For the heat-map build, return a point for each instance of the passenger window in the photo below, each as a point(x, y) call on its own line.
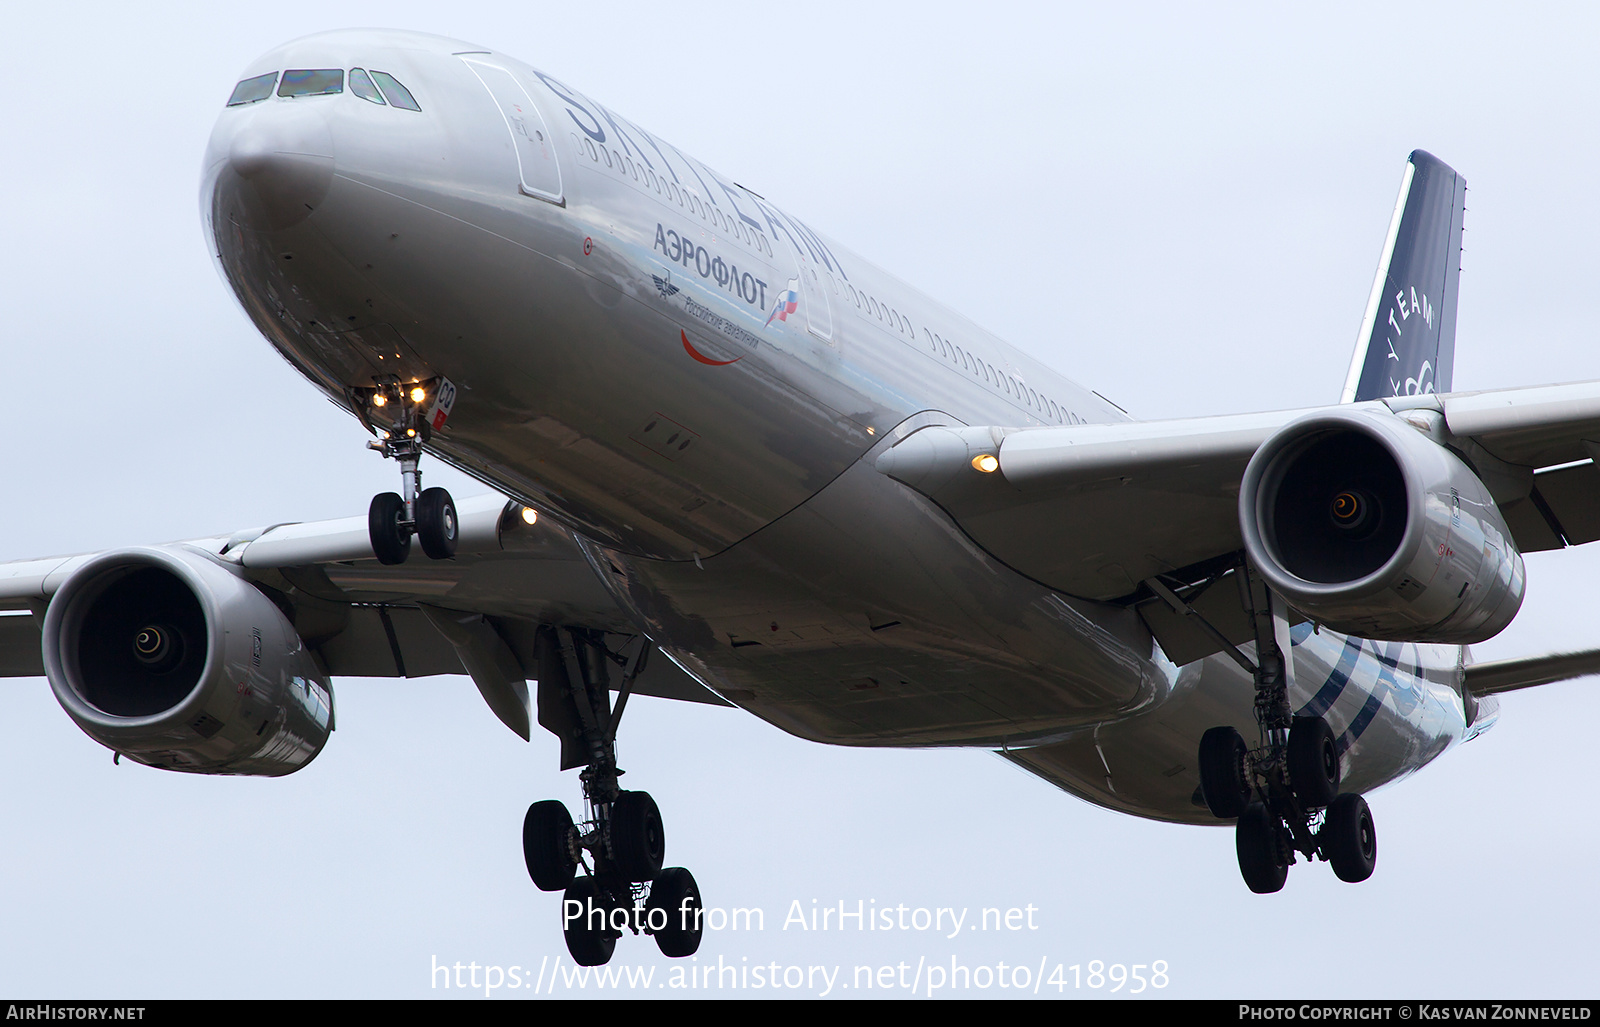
point(252, 90)
point(361, 85)
point(312, 82)
point(399, 96)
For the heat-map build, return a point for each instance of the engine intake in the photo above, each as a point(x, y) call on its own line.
point(171, 659)
point(1365, 524)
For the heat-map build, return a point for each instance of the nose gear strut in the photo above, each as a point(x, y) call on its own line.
point(404, 417)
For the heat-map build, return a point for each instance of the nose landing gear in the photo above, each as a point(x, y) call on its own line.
point(411, 413)
point(620, 843)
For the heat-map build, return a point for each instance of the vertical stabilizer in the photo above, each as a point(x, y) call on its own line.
point(1408, 337)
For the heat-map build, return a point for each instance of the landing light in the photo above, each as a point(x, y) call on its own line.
point(418, 395)
point(529, 515)
point(988, 463)
point(411, 432)
point(378, 399)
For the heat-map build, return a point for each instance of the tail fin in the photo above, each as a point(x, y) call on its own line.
point(1407, 344)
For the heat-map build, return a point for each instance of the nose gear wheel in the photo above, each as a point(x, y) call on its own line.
point(399, 415)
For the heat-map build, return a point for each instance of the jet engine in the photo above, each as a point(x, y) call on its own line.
point(1363, 523)
point(171, 659)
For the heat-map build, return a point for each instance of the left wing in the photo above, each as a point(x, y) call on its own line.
point(1093, 510)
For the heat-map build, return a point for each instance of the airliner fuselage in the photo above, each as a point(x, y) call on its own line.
point(696, 384)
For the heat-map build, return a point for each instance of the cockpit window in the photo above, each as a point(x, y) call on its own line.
point(253, 89)
point(319, 82)
point(362, 86)
point(399, 96)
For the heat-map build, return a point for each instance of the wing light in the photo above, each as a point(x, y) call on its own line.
point(988, 463)
point(529, 515)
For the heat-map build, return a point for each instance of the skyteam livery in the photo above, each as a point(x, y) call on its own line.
point(734, 463)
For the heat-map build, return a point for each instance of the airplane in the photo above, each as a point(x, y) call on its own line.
point(844, 496)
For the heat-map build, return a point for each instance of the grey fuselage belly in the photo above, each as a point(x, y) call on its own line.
point(696, 385)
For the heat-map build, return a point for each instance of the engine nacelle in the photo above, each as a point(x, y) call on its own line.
point(1366, 525)
point(171, 659)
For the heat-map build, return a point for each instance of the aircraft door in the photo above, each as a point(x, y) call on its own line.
point(536, 152)
point(812, 281)
point(819, 312)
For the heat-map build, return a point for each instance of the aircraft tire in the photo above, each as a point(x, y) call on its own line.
point(676, 894)
point(546, 849)
point(1222, 778)
point(638, 840)
point(437, 527)
point(1258, 840)
point(391, 543)
point(1351, 843)
point(588, 943)
point(1313, 762)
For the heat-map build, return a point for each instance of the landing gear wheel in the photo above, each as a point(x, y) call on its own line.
point(547, 845)
point(436, 523)
point(638, 842)
point(1262, 860)
point(589, 942)
point(1222, 777)
point(386, 516)
point(1348, 838)
point(1313, 762)
point(678, 897)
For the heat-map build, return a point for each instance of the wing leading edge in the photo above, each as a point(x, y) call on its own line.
point(478, 614)
point(1096, 510)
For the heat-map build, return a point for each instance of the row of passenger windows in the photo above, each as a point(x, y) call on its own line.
point(871, 306)
point(1017, 390)
point(377, 87)
point(684, 197)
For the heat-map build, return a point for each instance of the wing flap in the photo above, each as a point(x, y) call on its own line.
point(20, 656)
point(1571, 499)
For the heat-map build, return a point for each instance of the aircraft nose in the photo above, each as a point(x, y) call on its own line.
point(282, 155)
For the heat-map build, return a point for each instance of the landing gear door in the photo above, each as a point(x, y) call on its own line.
point(530, 139)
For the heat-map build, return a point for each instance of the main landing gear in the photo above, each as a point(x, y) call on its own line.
point(428, 514)
point(1284, 793)
point(620, 843)
point(1286, 800)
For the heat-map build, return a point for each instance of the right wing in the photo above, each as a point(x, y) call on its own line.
point(476, 614)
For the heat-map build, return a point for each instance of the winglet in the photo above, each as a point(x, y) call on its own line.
point(1408, 334)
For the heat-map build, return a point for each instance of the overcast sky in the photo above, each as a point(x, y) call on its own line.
point(1180, 206)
